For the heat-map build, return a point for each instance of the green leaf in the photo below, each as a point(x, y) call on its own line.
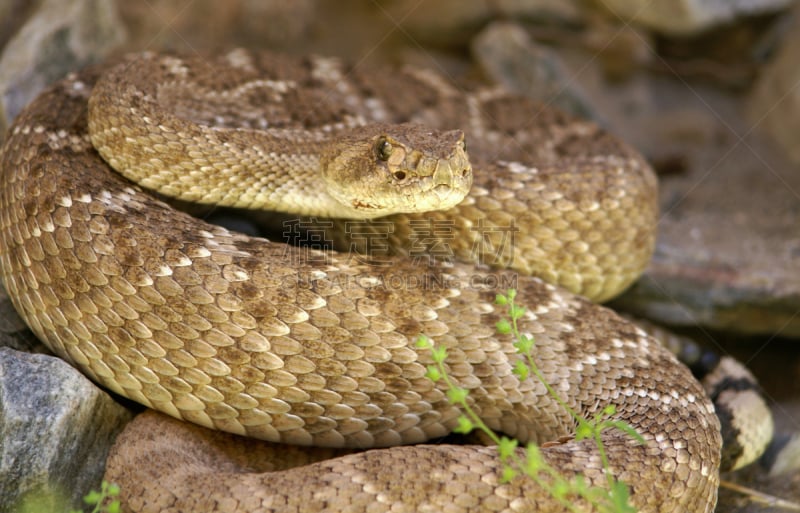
point(511, 294)
point(620, 498)
point(560, 489)
point(93, 497)
point(584, 430)
point(457, 395)
point(503, 326)
point(423, 342)
point(433, 374)
point(114, 507)
point(439, 354)
point(465, 426)
point(500, 299)
point(534, 461)
point(508, 474)
point(521, 370)
point(506, 447)
point(524, 344)
point(516, 311)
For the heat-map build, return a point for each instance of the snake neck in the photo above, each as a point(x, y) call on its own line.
point(208, 165)
point(143, 122)
point(257, 177)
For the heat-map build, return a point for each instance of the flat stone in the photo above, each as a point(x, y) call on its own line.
point(686, 17)
point(12, 15)
point(211, 24)
point(509, 57)
point(14, 334)
point(785, 457)
point(449, 22)
point(728, 249)
point(56, 427)
point(59, 37)
point(774, 105)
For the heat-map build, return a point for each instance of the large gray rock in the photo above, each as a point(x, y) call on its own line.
point(14, 334)
point(61, 36)
point(450, 22)
point(12, 16)
point(686, 17)
point(512, 59)
point(728, 248)
point(55, 431)
point(775, 101)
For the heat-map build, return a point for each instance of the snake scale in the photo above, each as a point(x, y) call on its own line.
point(293, 345)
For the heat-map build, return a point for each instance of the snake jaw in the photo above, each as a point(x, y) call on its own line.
point(451, 177)
point(431, 169)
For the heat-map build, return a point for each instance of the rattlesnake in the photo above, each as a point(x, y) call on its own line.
point(295, 345)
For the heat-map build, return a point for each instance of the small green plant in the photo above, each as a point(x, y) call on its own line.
point(54, 499)
point(614, 499)
point(104, 501)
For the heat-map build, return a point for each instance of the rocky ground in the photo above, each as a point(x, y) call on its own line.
point(708, 91)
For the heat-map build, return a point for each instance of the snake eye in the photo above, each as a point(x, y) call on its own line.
point(400, 175)
point(383, 149)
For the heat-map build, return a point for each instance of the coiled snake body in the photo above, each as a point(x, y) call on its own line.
point(297, 346)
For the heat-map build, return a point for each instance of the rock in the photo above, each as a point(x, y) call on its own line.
point(211, 25)
point(775, 101)
point(728, 250)
point(686, 17)
point(162, 24)
point(783, 455)
point(59, 37)
point(512, 59)
point(56, 428)
point(275, 23)
point(14, 334)
point(449, 22)
point(12, 15)
point(622, 50)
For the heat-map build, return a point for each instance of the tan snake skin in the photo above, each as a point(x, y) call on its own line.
point(296, 346)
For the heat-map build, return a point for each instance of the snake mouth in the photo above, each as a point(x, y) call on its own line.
point(450, 194)
point(442, 191)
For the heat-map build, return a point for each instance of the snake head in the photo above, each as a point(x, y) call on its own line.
point(382, 169)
